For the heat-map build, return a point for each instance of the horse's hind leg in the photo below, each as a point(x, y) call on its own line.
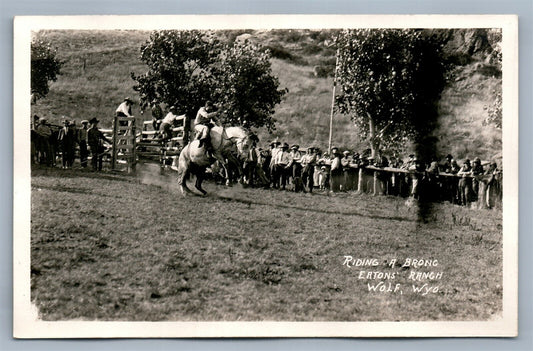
point(198, 184)
point(182, 181)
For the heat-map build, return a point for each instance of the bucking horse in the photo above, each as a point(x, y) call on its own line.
point(227, 143)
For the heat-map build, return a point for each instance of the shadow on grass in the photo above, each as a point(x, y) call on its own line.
point(40, 171)
point(307, 209)
point(65, 189)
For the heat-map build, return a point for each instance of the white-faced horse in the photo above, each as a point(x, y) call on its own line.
point(225, 143)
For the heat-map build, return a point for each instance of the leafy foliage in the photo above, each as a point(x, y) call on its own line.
point(391, 80)
point(495, 112)
point(179, 69)
point(247, 86)
point(186, 68)
point(45, 67)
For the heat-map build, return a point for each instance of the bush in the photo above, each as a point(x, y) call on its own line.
point(282, 54)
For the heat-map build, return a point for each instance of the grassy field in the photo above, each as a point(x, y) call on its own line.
point(119, 247)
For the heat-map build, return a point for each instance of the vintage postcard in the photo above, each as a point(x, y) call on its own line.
point(265, 176)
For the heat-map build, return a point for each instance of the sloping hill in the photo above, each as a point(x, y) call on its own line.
point(97, 66)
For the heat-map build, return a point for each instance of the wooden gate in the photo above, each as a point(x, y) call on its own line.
point(124, 143)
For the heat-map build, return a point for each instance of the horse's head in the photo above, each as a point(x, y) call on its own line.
point(244, 144)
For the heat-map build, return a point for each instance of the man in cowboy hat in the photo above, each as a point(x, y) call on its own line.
point(204, 121)
point(124, 109)
point(336, 170)
point(82, 142)
point(95, 138)
point(281, 164)
point(308, 168)
point(294, 166)
point(346, 170)
point(275, 148)
point(67, 138)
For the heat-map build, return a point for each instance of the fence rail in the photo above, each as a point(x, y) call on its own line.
point(484, 191)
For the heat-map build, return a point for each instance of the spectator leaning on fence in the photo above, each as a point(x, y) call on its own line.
point(477, 170)
point(465, 183)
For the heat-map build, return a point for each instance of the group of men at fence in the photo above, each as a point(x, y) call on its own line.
point(281, 166)
point(49, 140)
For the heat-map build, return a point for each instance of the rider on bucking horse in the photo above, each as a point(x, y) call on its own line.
point(205, 120)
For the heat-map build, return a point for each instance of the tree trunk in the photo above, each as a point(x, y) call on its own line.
point(374, 143)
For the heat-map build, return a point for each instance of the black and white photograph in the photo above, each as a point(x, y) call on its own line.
point(265, 176)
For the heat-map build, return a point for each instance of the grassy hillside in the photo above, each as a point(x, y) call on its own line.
point(96, 77)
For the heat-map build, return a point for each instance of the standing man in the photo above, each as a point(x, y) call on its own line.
point(96, 138)
point(308, 168)
point(82, 141)
point(336, 170)
point(346, 170)
point(295, 167)
point(275, 148)
point(250, 163)
point(67, 138)
point(281, 164)
point(44, 133)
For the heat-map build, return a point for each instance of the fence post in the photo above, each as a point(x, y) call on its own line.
point(375, 192)
point(133, 150)
point(114, 153)
point(360, 181)
point(482, 194)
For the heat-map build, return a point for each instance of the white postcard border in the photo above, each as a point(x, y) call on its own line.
point(26, 324)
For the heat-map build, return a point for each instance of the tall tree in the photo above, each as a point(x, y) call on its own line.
point(179, 69)
point(186, 68)
point(247, 87)
point(390, 81)
point(45, 67)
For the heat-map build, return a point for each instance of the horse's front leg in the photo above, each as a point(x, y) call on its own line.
point(235, 161)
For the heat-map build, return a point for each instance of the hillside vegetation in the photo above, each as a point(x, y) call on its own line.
point(96, 76)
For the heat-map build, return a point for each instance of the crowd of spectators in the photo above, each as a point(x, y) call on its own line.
point(288, 167)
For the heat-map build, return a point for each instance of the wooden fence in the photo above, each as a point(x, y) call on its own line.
point(483, 190)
